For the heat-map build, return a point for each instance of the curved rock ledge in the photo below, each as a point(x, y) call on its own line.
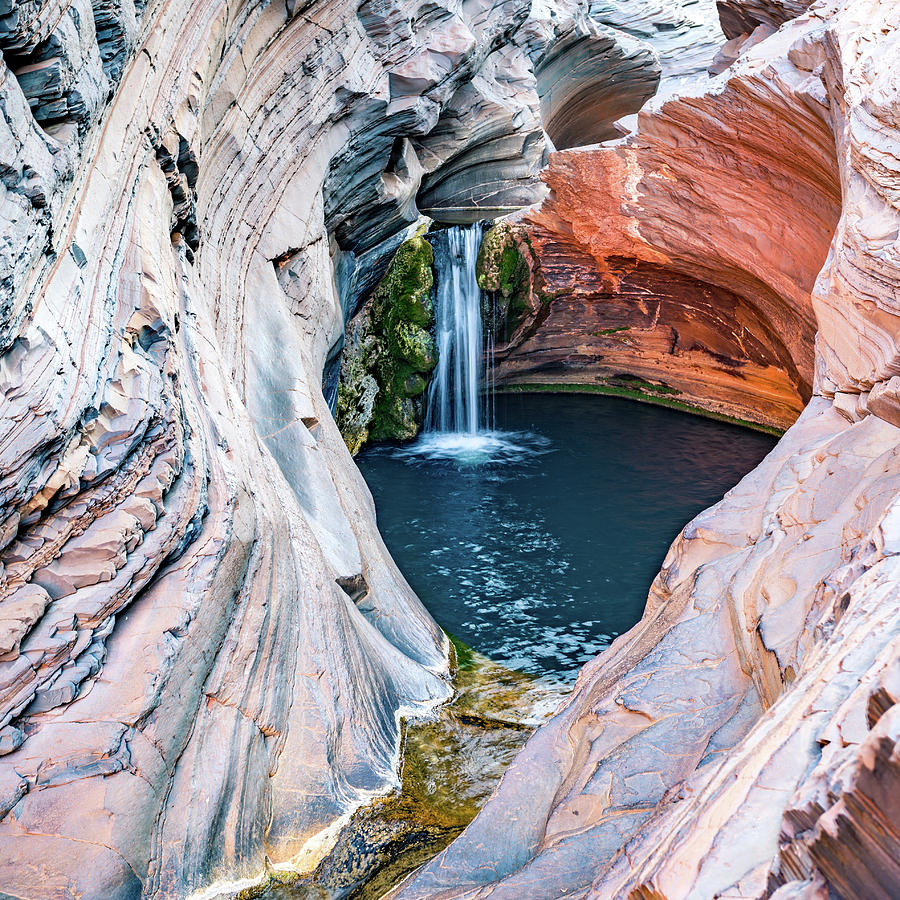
point(689, 254)
point(741, 740)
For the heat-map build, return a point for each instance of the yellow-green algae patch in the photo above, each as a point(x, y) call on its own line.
point(505, 268)
point(451, 764)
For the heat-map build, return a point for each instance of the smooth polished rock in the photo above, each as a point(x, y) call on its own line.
point(206, 650)
point(741, 740)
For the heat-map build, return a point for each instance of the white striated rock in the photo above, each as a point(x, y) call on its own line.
point(206, 648)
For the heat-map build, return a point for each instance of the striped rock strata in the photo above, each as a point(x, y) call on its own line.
point(743, 740)
point(649, 262)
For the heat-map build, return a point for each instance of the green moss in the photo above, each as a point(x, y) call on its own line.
point(504, 268)
point(273, 879)
point(402, 313)
point(404, 294)
point(414, 385)
point(606, 331)
point(637, 383)
point(389, 343)
point(414, 345)
point(463, 653)
point(634, 393)
point(661, 388)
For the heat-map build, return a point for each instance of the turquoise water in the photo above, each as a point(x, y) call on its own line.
point(536, 543)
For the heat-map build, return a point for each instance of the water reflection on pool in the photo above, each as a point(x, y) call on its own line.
point(536, 543)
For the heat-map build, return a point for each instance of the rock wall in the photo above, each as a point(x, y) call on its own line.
point(742, 740)
point(649, 262)
point(205, 646)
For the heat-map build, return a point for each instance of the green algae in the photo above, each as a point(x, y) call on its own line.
point(389, 352)
point(463, 654)
point(504, 268)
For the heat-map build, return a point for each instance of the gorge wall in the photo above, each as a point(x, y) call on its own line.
point(689, 254)
point(742, 740)
point(206, 648)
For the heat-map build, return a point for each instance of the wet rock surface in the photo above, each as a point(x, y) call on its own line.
point(389, 353)
point(451, 763)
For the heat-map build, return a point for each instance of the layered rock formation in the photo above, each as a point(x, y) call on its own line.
point(741, 740)
point(205, 647)
point(567, 76)
point(649, 262)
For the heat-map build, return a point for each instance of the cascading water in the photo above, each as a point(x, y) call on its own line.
point(459, 419)
point(455, 404)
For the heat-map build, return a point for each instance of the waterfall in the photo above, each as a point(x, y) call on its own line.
point(455, 402)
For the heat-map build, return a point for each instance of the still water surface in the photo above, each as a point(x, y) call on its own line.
point(536, 544)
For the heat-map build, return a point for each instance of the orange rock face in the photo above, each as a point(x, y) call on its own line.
point(691, 340)
point(689, 254)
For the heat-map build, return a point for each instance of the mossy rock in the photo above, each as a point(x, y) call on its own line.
point(354, 410)
point(504, 267)
point(389, 342)
point(404, 294)
point(415, 346)
point(451, 763)
point(396, 419)
point(357, 388)
point(414, 385)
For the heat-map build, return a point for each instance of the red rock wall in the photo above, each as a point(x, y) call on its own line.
point(703, 344)
point(703, 237)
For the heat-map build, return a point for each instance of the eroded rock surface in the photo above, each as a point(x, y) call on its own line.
point(666, 263)
point(205, 647)
point(741, 740)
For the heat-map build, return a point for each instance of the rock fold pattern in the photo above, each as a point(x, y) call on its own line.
point(742, 740)
point(205, 650)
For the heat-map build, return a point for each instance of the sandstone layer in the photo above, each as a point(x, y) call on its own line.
point(689, 254)
point(206, 649)
point(742, 740)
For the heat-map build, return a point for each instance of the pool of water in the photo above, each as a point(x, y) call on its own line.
point(537, 544)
